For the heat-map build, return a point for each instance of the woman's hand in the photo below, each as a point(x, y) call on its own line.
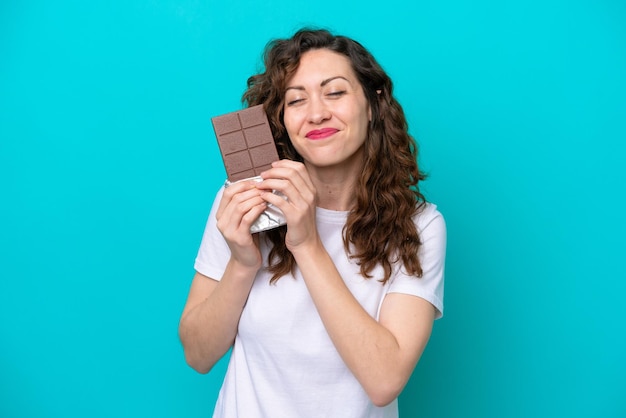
point(292, 180)
point(240, 206)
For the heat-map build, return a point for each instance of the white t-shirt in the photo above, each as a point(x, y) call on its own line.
point(283, 363)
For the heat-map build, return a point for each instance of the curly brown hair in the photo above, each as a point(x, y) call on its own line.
point(380, 228)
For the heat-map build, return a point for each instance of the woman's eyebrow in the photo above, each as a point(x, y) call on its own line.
point(322, 84)
point(328, 80)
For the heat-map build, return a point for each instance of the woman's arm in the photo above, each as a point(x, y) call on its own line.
point(211, 315)
point(381, 354)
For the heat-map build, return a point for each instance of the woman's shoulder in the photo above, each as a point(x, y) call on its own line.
point(428, 214)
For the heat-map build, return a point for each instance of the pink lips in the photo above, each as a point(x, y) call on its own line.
point(321, 133)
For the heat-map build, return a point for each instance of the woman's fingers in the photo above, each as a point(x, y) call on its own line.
point(240, 213)
point(240, 191)
point(293, 170)
point(292, 180)
point(240, 206)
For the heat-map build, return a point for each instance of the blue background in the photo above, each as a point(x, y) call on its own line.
point(108, 167)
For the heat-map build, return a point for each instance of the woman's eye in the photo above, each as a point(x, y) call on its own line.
point(336, 93)
point(294, 102)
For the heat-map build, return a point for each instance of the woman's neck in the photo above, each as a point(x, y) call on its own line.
point(335, 187)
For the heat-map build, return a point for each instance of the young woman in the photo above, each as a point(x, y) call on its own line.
point(328, 315)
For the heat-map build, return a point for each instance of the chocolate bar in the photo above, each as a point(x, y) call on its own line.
point(246, 142)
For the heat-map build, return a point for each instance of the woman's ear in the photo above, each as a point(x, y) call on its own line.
point(369, 107)
point(380, 105)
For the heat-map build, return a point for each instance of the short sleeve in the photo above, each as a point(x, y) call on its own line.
point(214, 253)
point(432, 254)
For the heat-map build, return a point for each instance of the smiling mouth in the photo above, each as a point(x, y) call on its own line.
point(321, 133)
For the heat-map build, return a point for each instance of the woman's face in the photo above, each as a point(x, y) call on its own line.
point(326, 113)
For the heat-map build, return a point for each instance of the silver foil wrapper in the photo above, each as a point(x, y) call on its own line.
point(271, 218)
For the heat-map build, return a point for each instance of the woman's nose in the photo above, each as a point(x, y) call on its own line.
point(318, 111)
